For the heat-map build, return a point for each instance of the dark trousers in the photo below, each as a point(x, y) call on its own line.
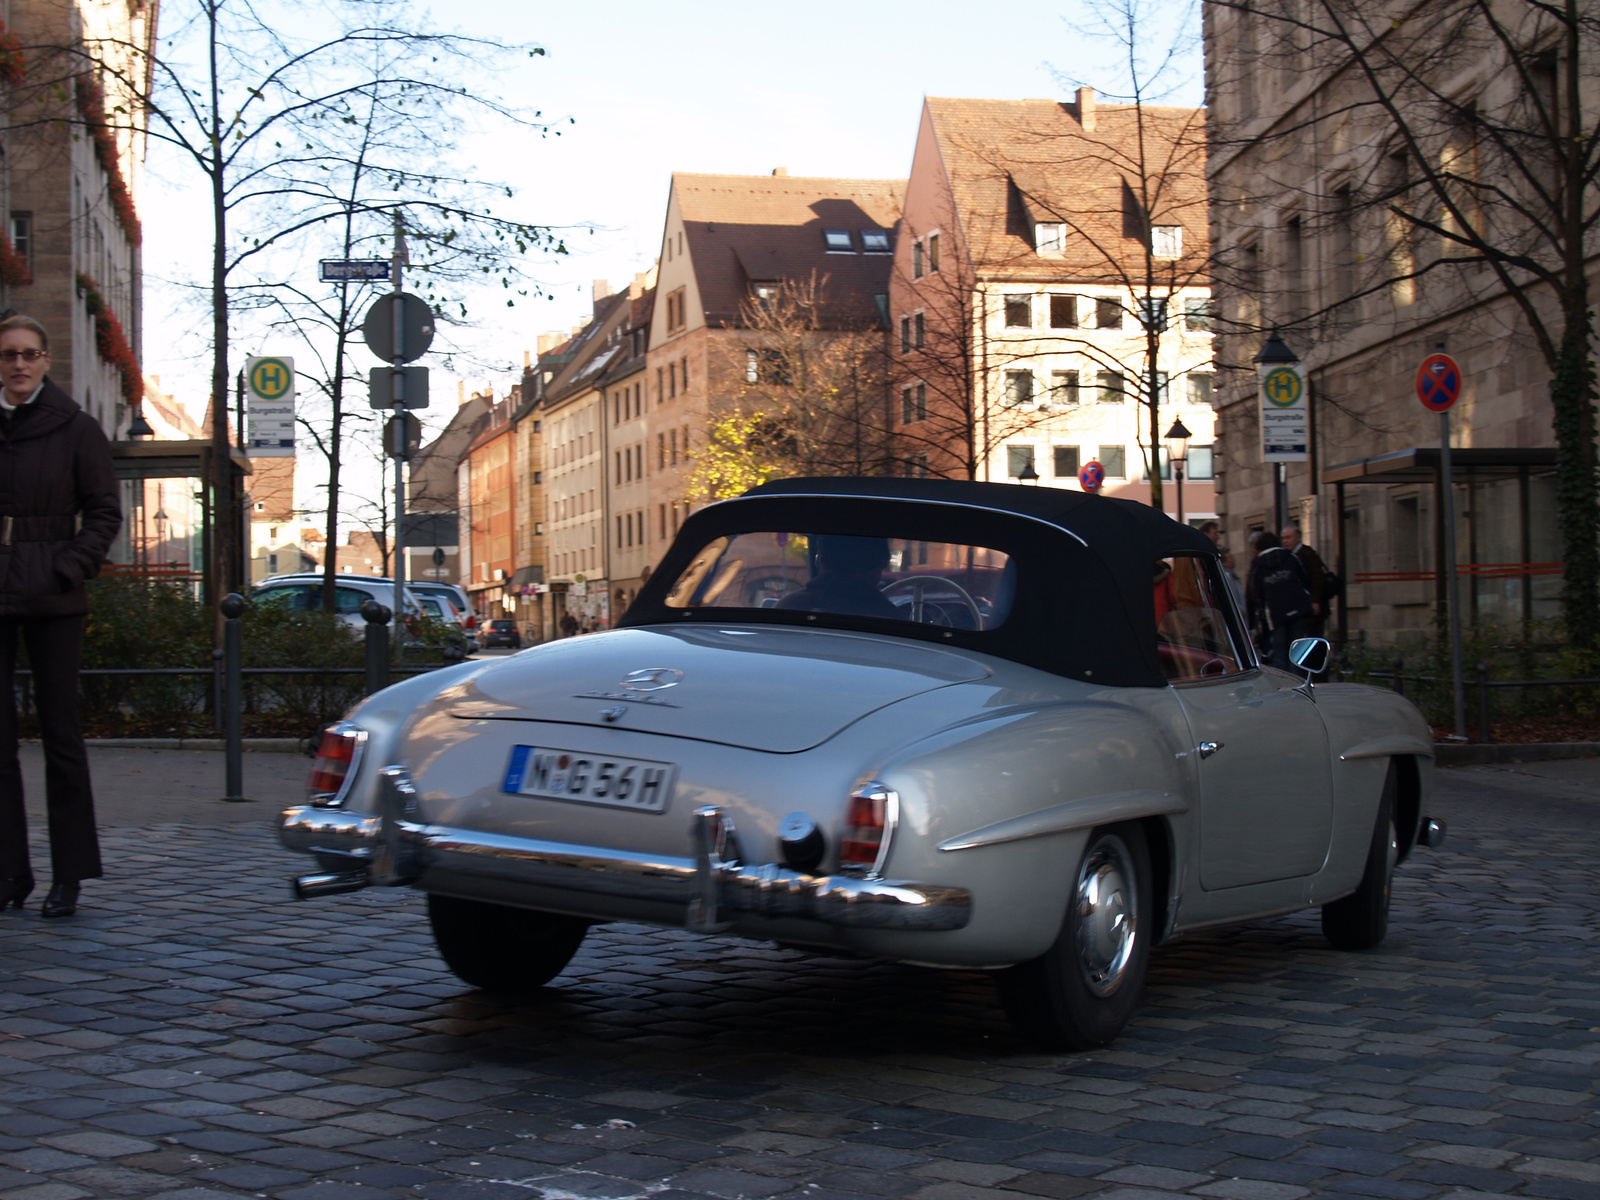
point(55, 651)
point(1291, 631)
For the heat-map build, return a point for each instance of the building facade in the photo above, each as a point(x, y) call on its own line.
point(1364, 191)
point(1050, 278)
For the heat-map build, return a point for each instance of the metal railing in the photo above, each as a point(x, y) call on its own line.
point(1397, 677)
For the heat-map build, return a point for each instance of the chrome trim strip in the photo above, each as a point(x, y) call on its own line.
point(723, 884)
point(1074, 814)
point(1008, 512)
point(359, 735)
point(1388, 745)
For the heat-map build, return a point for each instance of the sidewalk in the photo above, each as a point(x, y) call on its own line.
point(145, 787)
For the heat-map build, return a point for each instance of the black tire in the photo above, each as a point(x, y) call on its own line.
point(502, 949)
point(1080, 993)
point(1361, 919)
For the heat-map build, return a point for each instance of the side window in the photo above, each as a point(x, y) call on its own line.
point(349, 600)
point(286, 597)
point(1195, 637)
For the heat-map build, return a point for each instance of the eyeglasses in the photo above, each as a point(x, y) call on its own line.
point(11, 356)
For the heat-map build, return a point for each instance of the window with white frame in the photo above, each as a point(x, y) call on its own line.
point(1018, 460)
point(916, 259)
point(839, 241)
point(1063, 310)
point(1019, 311)
point(1166, 241)
point(919, 325)
point(1019, 387)
point(1063, 387)
point(875, 241)
point(1065, 461)
point(1050, 237)
point(1114, 459)
point(1201, 463)
point(1200, 388)
point(1111, 388)
point(1197, 313)
point(905, 335)
point(933, 253)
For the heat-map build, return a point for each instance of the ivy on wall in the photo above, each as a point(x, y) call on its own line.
point(12, 64)
point(111, 342)
point(14, 269)
point(92, 108)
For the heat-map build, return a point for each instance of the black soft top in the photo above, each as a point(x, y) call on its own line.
point(1085, 604)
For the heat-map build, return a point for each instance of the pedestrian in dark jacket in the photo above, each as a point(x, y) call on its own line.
point(59, 511)
point(1279, 596)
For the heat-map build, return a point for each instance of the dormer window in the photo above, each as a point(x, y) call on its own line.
point(1050, 237)
point(1166, 241)
point(839, 241)
point(875, 241)
point(765, 293)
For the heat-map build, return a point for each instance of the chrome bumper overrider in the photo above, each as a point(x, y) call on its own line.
point(713, 888)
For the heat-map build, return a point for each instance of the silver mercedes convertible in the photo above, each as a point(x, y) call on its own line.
point(963, 725)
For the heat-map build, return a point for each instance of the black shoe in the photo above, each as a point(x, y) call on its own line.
point(61, 901)
point(15, 890)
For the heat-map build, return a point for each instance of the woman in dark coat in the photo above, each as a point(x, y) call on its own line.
point(59, 511)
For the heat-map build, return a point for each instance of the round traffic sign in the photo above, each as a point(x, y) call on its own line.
point(416, 327)
point(1283, 387)
point(1092, 477)
point(1438, 382)
point(270, 378)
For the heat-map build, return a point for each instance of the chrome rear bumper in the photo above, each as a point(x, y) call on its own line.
point(712, 890)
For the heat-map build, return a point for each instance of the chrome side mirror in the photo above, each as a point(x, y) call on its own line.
point(1311, 656)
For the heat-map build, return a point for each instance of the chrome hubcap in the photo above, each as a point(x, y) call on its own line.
point(1107, 915)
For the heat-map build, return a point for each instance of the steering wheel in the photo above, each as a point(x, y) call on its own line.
point(918, 584)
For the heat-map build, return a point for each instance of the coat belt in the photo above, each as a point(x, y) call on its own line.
point(37, 529)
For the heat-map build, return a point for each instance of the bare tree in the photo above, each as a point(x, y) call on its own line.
point(1472, 145)
point(279, 125)
point(800, 391)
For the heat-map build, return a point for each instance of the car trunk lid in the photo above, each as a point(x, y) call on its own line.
point(760, 688)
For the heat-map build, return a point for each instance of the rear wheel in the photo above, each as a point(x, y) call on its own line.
point(502, 949)
point(1361, 919)
point(1080, 993)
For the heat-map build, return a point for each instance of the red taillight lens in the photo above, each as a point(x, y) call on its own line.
point(336, 754)
point(867, 823)
point(472, 621)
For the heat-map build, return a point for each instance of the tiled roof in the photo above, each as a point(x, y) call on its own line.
point(745, 229)
point(1015, 162)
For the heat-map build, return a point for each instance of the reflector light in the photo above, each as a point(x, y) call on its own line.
point(336, 757)
point(868, 823)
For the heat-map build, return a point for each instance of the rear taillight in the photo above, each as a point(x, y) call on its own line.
point(869, 823)
point(472, 622)
point(337, 756)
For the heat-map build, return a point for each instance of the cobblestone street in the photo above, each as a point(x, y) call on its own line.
point(194, 1033)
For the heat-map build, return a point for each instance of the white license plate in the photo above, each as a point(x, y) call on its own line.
point(637, 783)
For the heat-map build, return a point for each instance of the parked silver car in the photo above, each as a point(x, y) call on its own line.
point(956, 724)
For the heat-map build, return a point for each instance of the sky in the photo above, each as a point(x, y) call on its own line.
point(833, 88)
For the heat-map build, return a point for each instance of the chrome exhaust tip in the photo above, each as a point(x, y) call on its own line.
point(1433, 833)
point(329, 883)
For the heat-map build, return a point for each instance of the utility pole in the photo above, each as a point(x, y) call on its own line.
point(399, 359)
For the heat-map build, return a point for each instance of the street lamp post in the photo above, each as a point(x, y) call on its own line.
point(1177, 440)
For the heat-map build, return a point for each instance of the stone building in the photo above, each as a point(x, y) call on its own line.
point(69, 181)
point(1350, 177)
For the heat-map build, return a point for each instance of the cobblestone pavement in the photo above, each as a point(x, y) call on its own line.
point(194, 1034)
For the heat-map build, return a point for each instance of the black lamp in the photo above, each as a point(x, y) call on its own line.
point(139, 427)
point(1177, 440)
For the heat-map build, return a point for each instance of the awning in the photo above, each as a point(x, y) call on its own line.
point(525, 576)
point(175, 459)
point(1420, 464)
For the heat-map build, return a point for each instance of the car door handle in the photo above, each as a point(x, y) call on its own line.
point(1207, 749)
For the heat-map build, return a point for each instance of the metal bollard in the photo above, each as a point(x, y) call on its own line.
point(1483, 703)
point(1399, 680)
point(377, 618)
point(216, 692)
point(232, 608)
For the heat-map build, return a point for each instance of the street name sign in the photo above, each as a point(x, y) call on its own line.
point(1285, 415)
point(1438, 383)
point(269, 388)
point(354, 270)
